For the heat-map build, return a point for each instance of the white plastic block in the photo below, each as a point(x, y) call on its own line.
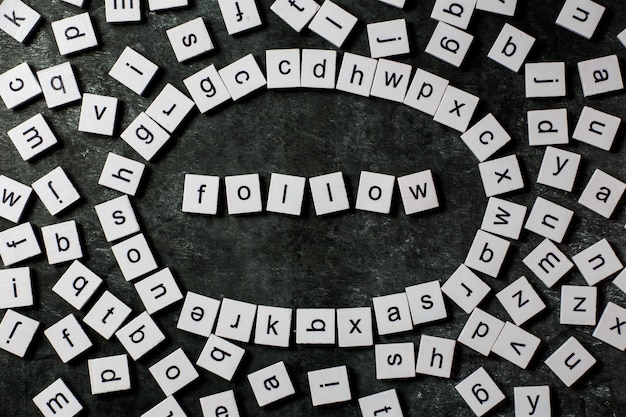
point(15, 288)
point(487, 253)
point(121, 174)
point(333, 23)
point(559, 168)
point(32, 137)
point(68, 338)
point(548, 127)
point(329, 193)
point(98, 114)
point(425, 92)
point(454, 12)
point(426, 302)
point(456, 109)
point(107, 315)
point(435, 356)
point(236, 320)
point(532, 401)
point(282, 67)
point(220, 357)
point(354, 327)
point(329, 386)
point(158, 291)
point(465, 288)
point(200, 194)
point(74, 34)
point(382, 402)
point(122, 11)
point(56, 191)
point(316, 326)
point(622, 37)
point(243, 194)
point(20, 19)
point(375, 192)
point(198, 314)
point(273, 326)
point(168, 407)
point(18, 243)
point(602, 193)
point(286, 194)
point(77, 3)
point(388, 38)
point(62, 242)
point(545, 79)
point(418, 192)
point(207, 89)
point(504, 218)
point(77, 285)
point(511, 47)
point(174, 372)
point(570, 361)
point(271, 384)
point(516, 345)
point(609, 328)
point(391, 80)
point(160, 5)
point(581, 17)
point(579, 305)
point(449, 44)
point(18, 86)
point(296, 13)
point(134, 257)
point(13, 199)
point(242, 77)
point(140, 335)
point(395, 360)
point(190, 39)
point(318, 69)
point(17, 331)
point(597, 262)
point(59, 85)
point(502, 7)
point(219, 404)
point(170, 108)
point(392, 313)
point(117, 218)
point(481, 331)
point(145, 136)
point(521, 301)
point(395, 3)
point(486, 137)
point(480, 392)
point(57, 401)
point(549, 220)
point(620, 280)
point(109, 374)
point(596, 128)
point(548, 263)
point(133, 70)
point(240, 15)
point(600, 75)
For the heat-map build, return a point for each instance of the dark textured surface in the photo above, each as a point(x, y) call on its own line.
point(337, 261)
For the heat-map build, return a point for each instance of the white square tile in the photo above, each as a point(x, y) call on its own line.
point(117, 11)
point(296, 14)
point(388, 38)
point(145, 136)
point(579, 305)
point(596, 128)
point(220, 357)
point(18, 86)
point(282, 67)
point(386, 401)
point(391, 80)
point(56, 191)
point(236, 320)
point(207, 89)
point(435, 356)
point(109, 374)
point(375, 192)
point(521, 301)
point(426, 302)
point(98, 114)
point(222, 403)
point(502, 7)
point(449, 44)
point(21, 19)
point(170, 108)
point(549, 220)
point(504, 218)
point(201, 194)
point(18, 243)
point(480, 392)
point(159, 5)
point(486, 137)
point(169, 407)
point(418, 192)
point(271, 384)
point(117, 218)
point(32, 137)
point(15, 196)
point(465, 288)
point(532, 401)
point(425, 92)
point(602, 193)
point(198, 314)
point(333, 23)
point(134, 257)
point(239, 16)
point(559, 168)
point(609, 328)
point(18, 332)
point(545, 79)
point(77, 285)
point(158, 291)
point(548, 127)
point(273, 326)
point(329, 386)
point(392, 313)
point(456, 109)
point(74, 34)
point(600, 75)
point(77, 3)
point(620, 280)
point(133, 70)
point(190, 39)
point(243, 194)
point(481, 331)
point(395, 360)
point(454, 12)
point(286, 194)
point(15, 288)
point(581, 17)
point(516, 345)
point(140, 335)
point(59, 85)
point(174, 372)
point(62, 242)
point(511, 47)
point(395, 3)
point(242, 77)
point(68, 338)
point(329, 193)
point(548, 263)
point(121, 174)
point(316, 326)
point(47, 401)
point(622, 37)
point(107, 315)
point(570, 361)
point(354, 327)
point(319, 68)
point(487, 253)
point(597, 262)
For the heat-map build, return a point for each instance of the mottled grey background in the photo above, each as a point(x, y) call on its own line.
point(337, 261)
